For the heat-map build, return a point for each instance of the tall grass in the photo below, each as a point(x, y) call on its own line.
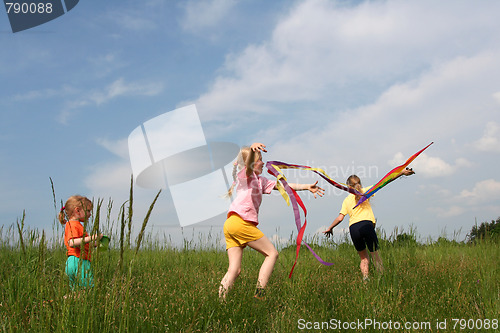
point(157, 288)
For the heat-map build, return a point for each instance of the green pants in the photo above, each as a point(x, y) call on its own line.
point(79, 272)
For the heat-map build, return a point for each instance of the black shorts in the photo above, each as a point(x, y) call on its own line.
point(363, 235)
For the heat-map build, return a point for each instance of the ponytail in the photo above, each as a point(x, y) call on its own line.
point(235, 171)
point(354, 182)
point(62, 216)
point(238, 164)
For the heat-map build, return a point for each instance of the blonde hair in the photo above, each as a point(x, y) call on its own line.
point(354, 182)
point(239, 164)
point(69, 207)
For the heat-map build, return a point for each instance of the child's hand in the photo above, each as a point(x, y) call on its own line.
point(258, 146)
point(96, 238)
point(328, 232)
point(315, 189)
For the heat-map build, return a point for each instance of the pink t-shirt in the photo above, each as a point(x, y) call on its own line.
point(249, 195)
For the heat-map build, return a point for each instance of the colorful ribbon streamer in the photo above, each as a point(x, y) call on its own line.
point(291, 196)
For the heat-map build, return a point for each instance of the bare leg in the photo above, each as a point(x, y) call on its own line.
point(364, 265)
point(264, 246)
point(378, 262)
point(234, 254)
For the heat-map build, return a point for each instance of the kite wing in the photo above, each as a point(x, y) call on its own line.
point(389, 177)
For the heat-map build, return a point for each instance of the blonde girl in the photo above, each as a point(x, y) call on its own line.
point(361, 225)
point(240, 228)
point(76, 211)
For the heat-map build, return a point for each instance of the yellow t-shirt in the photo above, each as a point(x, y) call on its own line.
point(361, 213)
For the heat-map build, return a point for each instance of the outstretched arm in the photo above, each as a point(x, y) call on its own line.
point(313, 188)
point(328, 232)
point(251, 158)
point(76, 242)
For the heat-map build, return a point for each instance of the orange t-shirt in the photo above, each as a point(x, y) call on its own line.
point(74, 229)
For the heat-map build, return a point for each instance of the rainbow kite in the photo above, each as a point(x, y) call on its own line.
point(291, 196)
point(389, 177)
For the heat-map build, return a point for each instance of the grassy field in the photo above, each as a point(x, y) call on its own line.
point(443, 286)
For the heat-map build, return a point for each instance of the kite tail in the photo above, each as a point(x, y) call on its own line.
point(290, 195)
point(299, 241)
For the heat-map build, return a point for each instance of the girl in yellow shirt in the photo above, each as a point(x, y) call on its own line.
point(361, 225)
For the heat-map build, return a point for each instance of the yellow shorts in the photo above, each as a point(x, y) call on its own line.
point(239, 232)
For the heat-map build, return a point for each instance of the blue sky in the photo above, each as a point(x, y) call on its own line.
point(349, 86)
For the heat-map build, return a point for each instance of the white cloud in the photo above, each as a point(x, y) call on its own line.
point(105, 64)
point(200, 15)
point(116, 89)
point(139, 17)
point(131, 21)
point(484, 192)
point(446, 212)
point(430, 166)
point(490, 141)
point(121, 88)
point(45, 93)
point(496, 97)
point(483, 198)
point(322, 49)
point(111, 179)
point(437, 190)
point(484, 195)
point(118, 147)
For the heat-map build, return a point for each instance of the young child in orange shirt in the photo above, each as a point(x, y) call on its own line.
point(77, 210)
